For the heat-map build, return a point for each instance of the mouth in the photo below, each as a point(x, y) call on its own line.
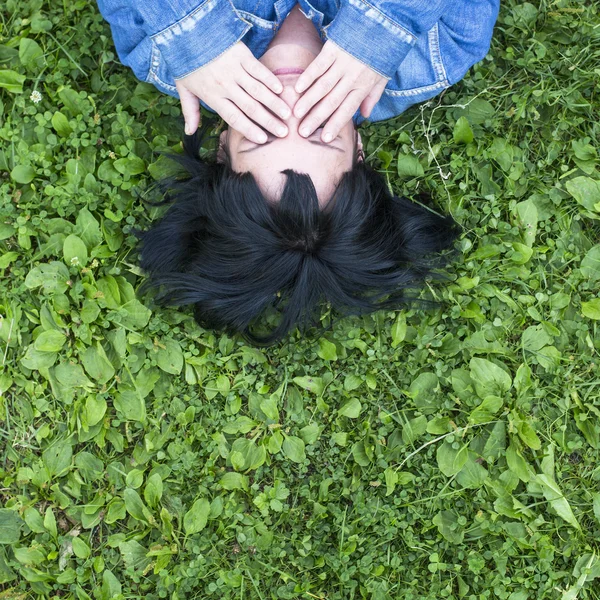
point(288, 71)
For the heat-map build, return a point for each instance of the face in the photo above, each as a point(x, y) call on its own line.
point(324, 163)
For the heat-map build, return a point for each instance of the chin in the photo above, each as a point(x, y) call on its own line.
point(287, 55)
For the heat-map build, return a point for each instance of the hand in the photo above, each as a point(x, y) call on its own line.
point(236, 86)
point(336, 85)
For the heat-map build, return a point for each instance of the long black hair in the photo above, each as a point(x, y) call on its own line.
point(223, 247)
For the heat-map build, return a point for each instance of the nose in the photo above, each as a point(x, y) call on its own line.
point(289, 95)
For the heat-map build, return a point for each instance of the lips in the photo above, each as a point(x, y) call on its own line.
point(288, 71)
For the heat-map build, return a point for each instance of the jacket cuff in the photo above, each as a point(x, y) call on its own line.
point(393, 41)
point(200, 37)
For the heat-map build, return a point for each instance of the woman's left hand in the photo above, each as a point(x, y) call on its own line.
point(336, 85)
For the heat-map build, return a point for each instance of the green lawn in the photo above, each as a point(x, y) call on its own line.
point(449, 453)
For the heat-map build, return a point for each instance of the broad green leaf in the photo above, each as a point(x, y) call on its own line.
point(293, 448)
point(409, 166)
point(10, 526)
point(234, 481)
point(590, 265)
point(463, 134)
point(399, 329)
point(556, 499)
point(312, 384)
point(30, 53)
point(486, 410)
point(80, 548)
point(517, 464)
point(586, 191)
point(310, 433)
point(75, 251)
point(95, 409)
point(250, 456)
point(135, 556)
point(327, 350)
point(96, 363)
point(61, 124)
point(170, 358)
point(528, 435)
point(131, 405)
point(269, 407)
point(488, 378)
point(131, 165)
point(72, 100)
point(448, 526)
point(135, 506)
point(196, 518)
point(22, 174)
point(50, 341)
point(351, 408)
point(11, 81)
point(473, 474)
point(534, 338)
point(528, 218)
point(591, 309)
point(57, 458)
point(153, 490)
point(414, 429)
point(391, 479)
point(451, 460)
point(422, 391)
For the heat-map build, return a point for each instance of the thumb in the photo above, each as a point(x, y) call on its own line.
point(190, 107)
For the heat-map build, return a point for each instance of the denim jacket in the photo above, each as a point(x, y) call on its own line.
point(422, 46)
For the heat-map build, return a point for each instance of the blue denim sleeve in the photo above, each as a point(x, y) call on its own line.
point(186, 34)
point(380, 33)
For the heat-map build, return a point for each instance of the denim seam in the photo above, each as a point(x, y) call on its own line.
point(254, 20)
point(215, 57)
point(436, 55)
point(193, 18)
point(354, 56)
point(439, 85)
point(404, 33)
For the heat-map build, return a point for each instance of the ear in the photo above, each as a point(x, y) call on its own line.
point(222, 142)
point(359, 147)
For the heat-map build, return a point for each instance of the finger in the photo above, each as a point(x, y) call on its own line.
point(262, 94)
point(190, 107)
point(257, 112)
point(317, 67)
point(235, 118)
point(342, 116)
point(318, 90)
point(368, 104)
point(324, 109)
point(257, 70)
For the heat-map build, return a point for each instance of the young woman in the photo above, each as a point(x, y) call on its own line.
point(287, 214)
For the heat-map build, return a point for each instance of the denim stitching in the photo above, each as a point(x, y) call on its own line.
point(254, 20)
point(376, 15)
point(436, 55)
point(217, 56)
point(440, 85)
point(353, 56)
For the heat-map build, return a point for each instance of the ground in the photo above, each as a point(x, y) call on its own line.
point(412, 454)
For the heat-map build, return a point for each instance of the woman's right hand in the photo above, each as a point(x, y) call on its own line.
point(237, 86)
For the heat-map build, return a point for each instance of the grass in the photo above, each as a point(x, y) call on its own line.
point(450, 453)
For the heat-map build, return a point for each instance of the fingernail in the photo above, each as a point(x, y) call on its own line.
point(262, 138)
point(278, 89)
point(299, 112)
point(188, 129)
point(304, 131)
point(285, 113)
point(327, 137)
point(282, 131)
